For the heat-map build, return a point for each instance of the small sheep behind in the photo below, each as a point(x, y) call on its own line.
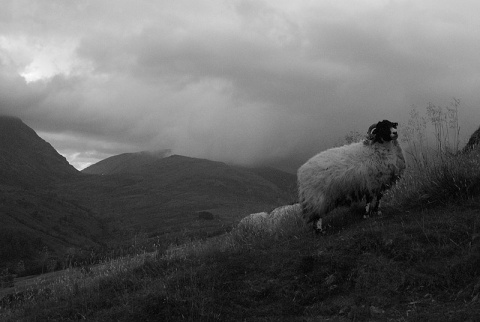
point(279, 221)
point(347, 174)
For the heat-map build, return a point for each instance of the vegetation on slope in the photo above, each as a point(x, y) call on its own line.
point(166, 194)
point(423, 265)
point(419, 261)
point(41, 231)
point(416, 265)
point(51, 215)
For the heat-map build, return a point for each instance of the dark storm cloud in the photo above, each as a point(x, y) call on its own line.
point(243, 81)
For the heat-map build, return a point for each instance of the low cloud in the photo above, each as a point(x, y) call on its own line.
point(248, 82)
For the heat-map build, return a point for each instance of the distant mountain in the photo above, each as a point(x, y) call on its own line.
point(287, 181)
point(126, 162)
point(33, 216)
point(26, 159)
point(161, 164)
point(160, 170)
point(45, 203)
point(147, 162)
point(164, 194)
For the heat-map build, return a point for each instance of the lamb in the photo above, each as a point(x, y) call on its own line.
point(347, 174)
point(274, 223)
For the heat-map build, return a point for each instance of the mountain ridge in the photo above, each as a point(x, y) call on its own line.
point(125, 162)
point(26, 159)
point(46, 202)
point(148, 163)
point(151, 191)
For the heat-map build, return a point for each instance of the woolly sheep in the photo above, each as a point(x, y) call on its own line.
point(256, 222)
point(273, 223)
point(346, 174)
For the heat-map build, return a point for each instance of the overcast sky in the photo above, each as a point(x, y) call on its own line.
point(242, 81)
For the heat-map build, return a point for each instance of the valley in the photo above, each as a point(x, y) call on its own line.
point(49, 210)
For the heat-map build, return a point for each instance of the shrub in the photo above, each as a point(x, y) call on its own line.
point(437, 173)
point(456, 179)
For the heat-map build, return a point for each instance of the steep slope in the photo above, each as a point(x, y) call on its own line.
point(33, 217)
point(33, 222)
point(26, 159)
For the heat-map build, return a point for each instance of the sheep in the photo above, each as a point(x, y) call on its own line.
point(279, 220)
point(255, 222)
point(347, 174)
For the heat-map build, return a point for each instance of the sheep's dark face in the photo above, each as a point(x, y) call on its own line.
point(383, 131)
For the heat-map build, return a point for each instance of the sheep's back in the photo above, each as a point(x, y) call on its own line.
point(334, 174)
point(350, 172)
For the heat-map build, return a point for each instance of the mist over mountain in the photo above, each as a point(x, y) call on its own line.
point(146, 162)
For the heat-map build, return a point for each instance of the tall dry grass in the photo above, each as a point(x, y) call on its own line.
point(438, 173)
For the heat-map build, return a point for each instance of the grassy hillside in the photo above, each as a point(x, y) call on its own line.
point(39, 227)
point(287, 181)
point(419, 261)
point(421, 266)
point(165, 195)
point(52, 215)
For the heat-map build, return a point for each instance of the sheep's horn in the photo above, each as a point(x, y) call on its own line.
point(370, 135)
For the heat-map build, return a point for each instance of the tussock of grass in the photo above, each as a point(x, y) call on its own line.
point(453, 179)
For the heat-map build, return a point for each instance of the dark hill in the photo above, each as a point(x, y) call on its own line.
point(125, 162)
point(33, 217)
point(285, 180)
point(151, 162)
point(166, 194)
point(26, 159)
point(44, 201)
point(40, 226)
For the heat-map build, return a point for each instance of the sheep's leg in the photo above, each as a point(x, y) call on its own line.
point(312, 217)
point(318, 226)
point(377, 204)
point(368, 207)
point(371, 209)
